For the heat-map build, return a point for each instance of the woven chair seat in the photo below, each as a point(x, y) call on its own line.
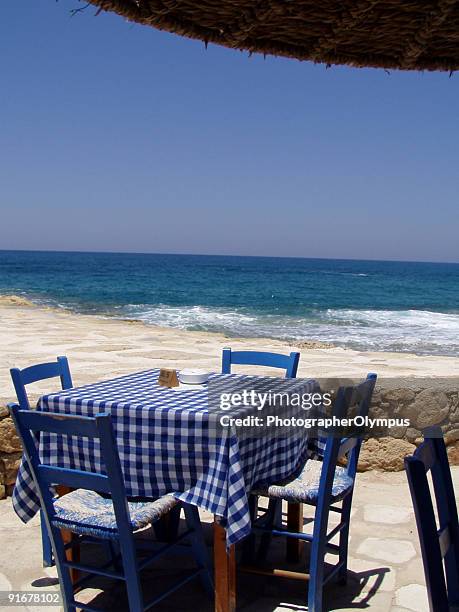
point(305, 487)
point(88, 513)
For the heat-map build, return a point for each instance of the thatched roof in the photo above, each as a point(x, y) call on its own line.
point(411, 34)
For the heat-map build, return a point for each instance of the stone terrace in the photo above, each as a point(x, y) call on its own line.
point(385, 566)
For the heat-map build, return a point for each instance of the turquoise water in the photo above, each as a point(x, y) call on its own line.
point(368, 305)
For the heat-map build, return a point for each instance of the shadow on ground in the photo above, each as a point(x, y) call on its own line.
point(254, 593)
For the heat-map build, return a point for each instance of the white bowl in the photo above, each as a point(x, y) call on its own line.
point(193, 377)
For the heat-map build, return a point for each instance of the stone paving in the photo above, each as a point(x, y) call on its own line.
point(385, 566)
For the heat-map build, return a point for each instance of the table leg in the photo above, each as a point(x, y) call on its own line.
point(294, 523)
point(73, 553)
point(225, 572)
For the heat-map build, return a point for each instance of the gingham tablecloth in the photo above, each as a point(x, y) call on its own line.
point(166, 445)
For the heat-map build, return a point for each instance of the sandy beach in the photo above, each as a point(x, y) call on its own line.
point(100, 348)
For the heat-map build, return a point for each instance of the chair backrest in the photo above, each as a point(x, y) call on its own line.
point(289, 363)
point(356, 397)
point(30, 423)
point(42, 371)
point(442, 543)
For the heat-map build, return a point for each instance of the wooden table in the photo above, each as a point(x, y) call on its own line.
point(152, 406)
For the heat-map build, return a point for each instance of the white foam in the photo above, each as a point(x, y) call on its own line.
point(415, 331)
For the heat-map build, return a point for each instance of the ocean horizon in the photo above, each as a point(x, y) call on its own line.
point(360, 304)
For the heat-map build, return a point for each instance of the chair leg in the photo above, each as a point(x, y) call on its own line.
point(316, 575)
point(198, 546)
point(160, 528)
point(131, 572)
point(317, 560)
point(112, 555)
point(48, 560)
point(344, 539)
point(166, 528)
point(63, 572)
point(273, 515)
point(173, 523)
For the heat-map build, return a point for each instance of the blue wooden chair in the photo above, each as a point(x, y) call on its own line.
point(322, 484)
point(439, 546)
point(108, 518)
point(289, 363)
point(22, 378)
point(42, 371)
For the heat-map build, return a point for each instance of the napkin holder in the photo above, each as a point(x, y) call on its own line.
point(168, 378)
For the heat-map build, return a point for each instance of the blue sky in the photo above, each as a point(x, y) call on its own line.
point(118, 137)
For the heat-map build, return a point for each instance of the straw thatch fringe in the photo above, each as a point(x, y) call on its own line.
point(432, 23)
point(411, 34)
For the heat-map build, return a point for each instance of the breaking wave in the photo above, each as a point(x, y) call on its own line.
point(414, 331)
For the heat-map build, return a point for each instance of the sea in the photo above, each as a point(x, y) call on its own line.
point(364, 305)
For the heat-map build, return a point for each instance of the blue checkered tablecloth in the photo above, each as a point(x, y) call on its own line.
point(167, 445)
